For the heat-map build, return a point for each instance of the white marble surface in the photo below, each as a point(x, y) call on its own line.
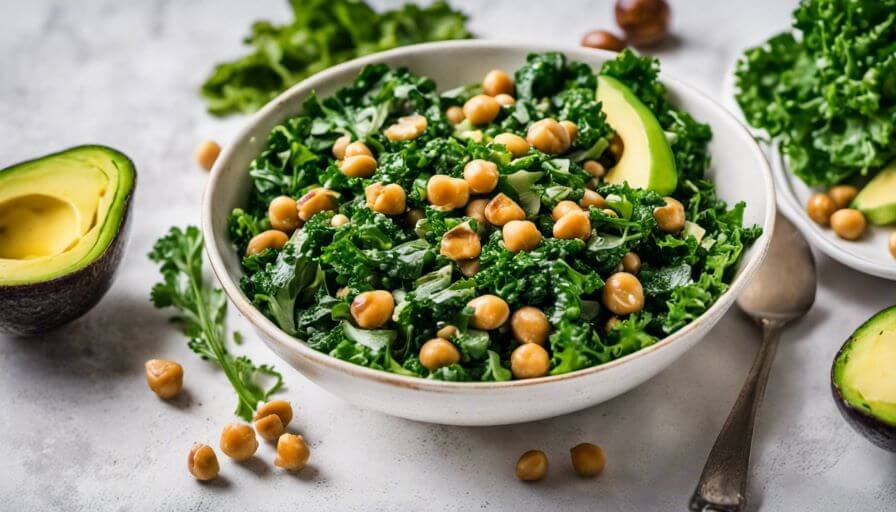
point(80, 431)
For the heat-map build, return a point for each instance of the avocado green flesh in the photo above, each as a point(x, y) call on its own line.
point(60, 212)
point(865, 369)
point(647, 160)
point(878, 199)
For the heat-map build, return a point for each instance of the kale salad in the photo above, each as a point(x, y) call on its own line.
point(532, 224)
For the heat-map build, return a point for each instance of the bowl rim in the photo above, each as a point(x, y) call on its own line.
point(274, 334)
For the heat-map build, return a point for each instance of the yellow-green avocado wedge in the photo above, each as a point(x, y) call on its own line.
point(878, 199)
point(863, 379)
point(63, 223)
point(647, 160)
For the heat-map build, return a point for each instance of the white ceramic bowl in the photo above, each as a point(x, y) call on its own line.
point(739, 169)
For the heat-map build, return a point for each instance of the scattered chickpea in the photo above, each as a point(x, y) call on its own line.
point(571, 130)
point(603, 40)
point(591, 198)
point(489, 312)
point(820, 208)
point(447, 332)
point(447, 192)
point(530, 325)
point(357, 148)
point(670, 218)
point(532, 466)
point(645, 22)
point(371, 310)
point(842, 195)
point(573, 225)
point(283, 214)
point(316, 201)
point(594, 168)
point(460, 243)
point(892, 243)
point(165, 378)
point(292, 452)
point(407, 128)
point(505, 99)
point(564, 207)
point(454, 115)
point(481, 109)
point(548, 136)
point(386, 199)
point(529, 361)
point(514, 143)
point(623, 294)
point(631, 263)
point(520, 235)
point(438, 352)
point(272, 418)
point(206, 154)
point(271, 238)
point(476, 210)
point(202, 462)
point(848, 224)
point(238, 441)
point(470, 267)
point(497, 82)
point(502, 209)
point(339, 220)
point(481, 175)
point(339, 146)
point(358, 166)
point(587, 459)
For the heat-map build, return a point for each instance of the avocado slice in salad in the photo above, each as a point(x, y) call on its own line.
point(863, 379)
point(62, 219)
point(878, 199)
point(647, 160)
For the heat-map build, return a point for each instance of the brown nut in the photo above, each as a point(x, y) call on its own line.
point(386, 199)
point(460, 243)
point(548, 136)
point(206, 154)
point(514, 143)
point(238, 441)
point(497, 82)
point(820, 208)
point(529, 361)
point(520, 235)
point(842, 195)
point(532, 466)
point(165, 378)
point(292, 452)
point(371, 310)
point(573, 225)
point(530, 325)
point(670, 218)
point(202, 462)
point(481, 109)
point(446, 192)
point(316, 201)
point(270, 239)
point(489, 312)
point(481, 175)
point(631, 263)
point(602, 40)
point(502, 209)
point(454, 114)
point(339, 147)
point(591, 198)
point(587, 459)
point(623, 294)
point(645, 22)
point(848, 224)
point(283, 214)
point(594, 168)
point(438, 352)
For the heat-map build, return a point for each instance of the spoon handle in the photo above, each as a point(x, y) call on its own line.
point(723, 484)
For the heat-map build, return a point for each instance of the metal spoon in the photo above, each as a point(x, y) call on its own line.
point(783, 290)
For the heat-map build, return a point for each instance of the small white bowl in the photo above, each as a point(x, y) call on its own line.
point(739, 170)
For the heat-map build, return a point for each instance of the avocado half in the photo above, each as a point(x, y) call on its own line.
point(863, 379)
point(878, 199)
point(63, 227)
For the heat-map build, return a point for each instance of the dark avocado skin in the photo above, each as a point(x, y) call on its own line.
point(36, 308)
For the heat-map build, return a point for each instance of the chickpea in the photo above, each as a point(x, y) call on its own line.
point(520, 235)
point(571, 130)
point(623, 294)
point(497, 82)
point(418, 121)
point(481, 175)
point(460, 243)
point(447, 332)
point(292, 452)
point(631, 263)
point(342, 292)
point(165, 378)
point(529, 361)
point(617, 147)
point(505, 99)
point(476, 210)
point(532, 466)
point(386, 199)
point(892, 244)
point(339, 146)
point(591, 198)
point(438, 352)
point(587, 459)
point(238, 441)
point(481, 109)
point(842, 195)
point(414, 216)
point(502, 209)
point(670, 218)
point(469, 267)
point(603, 40)
point(611, 324)
point(357, 148)
point(407, 128)
point(270, 427)
point(645, 22)
point(372, 310)
point(316, 201)
point(447, 192)
point(848, 224)
point(594, 168)
point(573, 225)
point(283, 214)
point(514, 143)
point(202, 462)
point(530, 325)
point(548, 136)
point(489, 312)
point(454, 115)
point(609, 213)
point(266, 240)
point(206, 154)
point(279, 408)
point(562, 208)
point(339, 220)
point(820, 208)
point(358, 166)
